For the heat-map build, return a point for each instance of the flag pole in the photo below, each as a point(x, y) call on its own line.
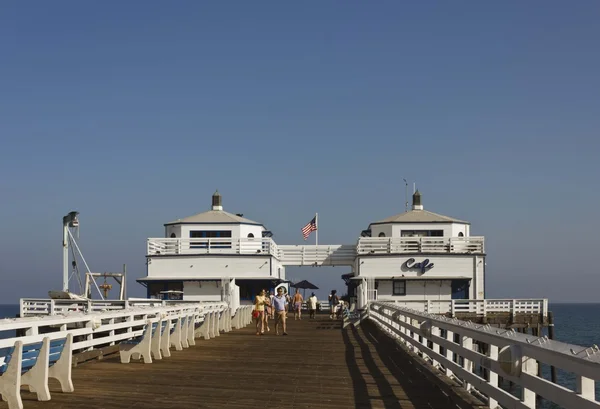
point(317, 231)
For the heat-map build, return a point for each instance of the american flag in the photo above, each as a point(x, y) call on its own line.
point(309, 228)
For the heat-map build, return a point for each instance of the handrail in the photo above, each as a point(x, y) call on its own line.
point(512, 355)
point(387, 245)
point(225, 245)
point(94, 328)
point(45, 306)
point(473, 307)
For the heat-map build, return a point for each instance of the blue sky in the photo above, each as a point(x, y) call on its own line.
point(133, 113)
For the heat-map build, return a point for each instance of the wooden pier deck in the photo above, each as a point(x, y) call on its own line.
point(319, 365)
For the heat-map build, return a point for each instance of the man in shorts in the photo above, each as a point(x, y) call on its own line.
point(279, 306)
point(298, 305)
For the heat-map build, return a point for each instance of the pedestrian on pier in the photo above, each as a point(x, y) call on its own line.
point(280, 307)
point(312, 305)
point(334, 301)
point(259, 305)
point(298, 305)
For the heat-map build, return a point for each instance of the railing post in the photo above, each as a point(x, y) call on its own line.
point(493, 376)
point(449, 353)
point(435, 332)
point(484, 308)
point(452, 307)
point(52, 306)
point(467, 343)
point(586, 388)
point(529, 366)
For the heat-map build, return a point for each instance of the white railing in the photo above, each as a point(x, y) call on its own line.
point(513, 356)
point(321, 255)
point(479, 308)
point(97, 329)
point(387, 245)
point(225, 245)
point(43, 306)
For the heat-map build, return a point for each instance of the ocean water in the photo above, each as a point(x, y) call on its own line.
point(574, 323)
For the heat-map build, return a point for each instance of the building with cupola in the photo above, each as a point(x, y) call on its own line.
point(414, 257)
point(417, 256)
point(212, 256)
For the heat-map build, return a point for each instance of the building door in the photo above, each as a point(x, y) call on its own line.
point(460, 289)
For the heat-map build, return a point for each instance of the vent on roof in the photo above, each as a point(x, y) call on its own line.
point(217, 203)
point(417, 205)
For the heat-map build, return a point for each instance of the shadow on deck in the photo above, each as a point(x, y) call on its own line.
point(318, 365)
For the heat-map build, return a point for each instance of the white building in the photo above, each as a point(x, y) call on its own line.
point(414, 256)
point(212, 256)
point(418, 255)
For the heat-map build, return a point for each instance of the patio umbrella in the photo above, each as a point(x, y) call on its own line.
point(305, 285)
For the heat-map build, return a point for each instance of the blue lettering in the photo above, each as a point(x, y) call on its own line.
point(423, 266)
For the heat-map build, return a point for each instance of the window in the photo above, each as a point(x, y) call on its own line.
point(382, 234)
point(210, 234)
point(399, 287)
point(460, 234)
point(173, 235)
point(250, 235)
point(422, 233)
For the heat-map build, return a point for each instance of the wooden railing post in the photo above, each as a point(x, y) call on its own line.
point(492, 376)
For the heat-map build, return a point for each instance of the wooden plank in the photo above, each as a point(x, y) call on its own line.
point(318, 365)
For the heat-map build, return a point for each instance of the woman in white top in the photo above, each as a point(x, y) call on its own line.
point(312, 305)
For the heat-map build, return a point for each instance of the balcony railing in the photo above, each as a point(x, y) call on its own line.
point(387, 245)
point(479, 308)
point(225, 245)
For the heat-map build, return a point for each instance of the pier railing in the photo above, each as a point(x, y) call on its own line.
point(93, 329)
point(478, 308)
point(476, 355)
point(392, 245)
point(43, 306)
point(318, 255)
point(225, 245)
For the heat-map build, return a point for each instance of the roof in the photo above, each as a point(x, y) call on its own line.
point(419, 216)
point(200, 278)
point(214, 217)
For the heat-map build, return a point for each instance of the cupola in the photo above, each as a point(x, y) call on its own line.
point(217, 203)
point(417, 205)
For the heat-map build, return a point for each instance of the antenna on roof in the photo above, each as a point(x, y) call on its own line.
point(414, 188)
point(405, 195)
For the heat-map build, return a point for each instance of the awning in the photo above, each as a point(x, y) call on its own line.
point(413, 278)
point(196, 278)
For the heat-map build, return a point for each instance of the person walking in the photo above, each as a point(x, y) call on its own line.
point(334, 301)
point(298, 305)
point(280, 307)
point(312, 305)
point(259, 305)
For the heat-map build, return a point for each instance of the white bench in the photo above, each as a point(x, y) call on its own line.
point(32, 363)
point(140, 347)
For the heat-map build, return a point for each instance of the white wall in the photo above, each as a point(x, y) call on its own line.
point(201, 291)
point(455, 266)
point(245, 229)
point(210, 266)
point(416, 290)
point(395, 229)
point(460, 228)
point(398, 227)
point(381, 228)
point(174, 229)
